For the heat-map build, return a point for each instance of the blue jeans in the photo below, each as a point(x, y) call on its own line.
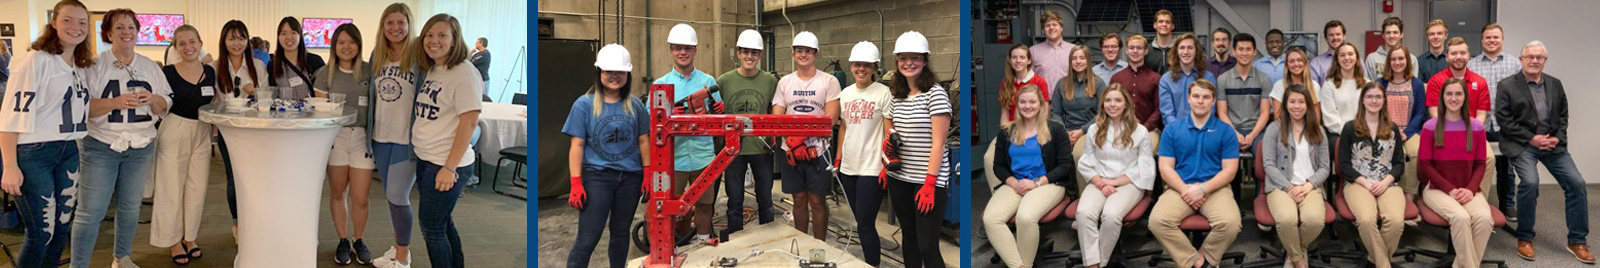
point(610, 205)
point(438, 228)
point(49, 172)
point(1561, 166)
point(105, 175)
point(865, 197)
point(733, 183)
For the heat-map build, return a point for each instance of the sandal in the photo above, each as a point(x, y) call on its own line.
point(181, 258)
point(194, 252)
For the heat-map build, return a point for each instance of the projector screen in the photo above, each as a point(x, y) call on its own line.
point(156, 29)
point(319, 31)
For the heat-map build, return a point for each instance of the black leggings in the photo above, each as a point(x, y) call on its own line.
point(227, 167)
point(920, 231)
point(865, 196)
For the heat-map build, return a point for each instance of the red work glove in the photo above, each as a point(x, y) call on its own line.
point(925, 195)
point(716, 107)
point(883, 179)
point(679, 110)
point(577, 196)
point(797, 148)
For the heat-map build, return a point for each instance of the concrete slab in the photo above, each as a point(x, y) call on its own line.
point(771, 239)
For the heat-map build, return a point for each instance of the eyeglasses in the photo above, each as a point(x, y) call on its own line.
point(1534, 58)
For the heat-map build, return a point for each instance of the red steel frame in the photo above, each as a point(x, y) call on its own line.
point(663, 206)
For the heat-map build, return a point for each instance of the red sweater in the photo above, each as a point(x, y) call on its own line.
point(1451, 166)
point(1011, 111)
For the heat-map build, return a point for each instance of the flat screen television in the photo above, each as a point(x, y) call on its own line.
point(318, 32)
point(156, 29)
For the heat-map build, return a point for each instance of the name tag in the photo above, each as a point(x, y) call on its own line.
point(362, 101)
point(206, 91)
point(295, 82)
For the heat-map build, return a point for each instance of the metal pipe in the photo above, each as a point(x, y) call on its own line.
point(646, 18)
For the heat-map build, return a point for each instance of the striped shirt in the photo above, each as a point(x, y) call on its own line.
point(1494, 70)
point(913, 120)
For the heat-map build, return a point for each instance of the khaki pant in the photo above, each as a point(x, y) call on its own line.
point(1470, 224)
point(1100, 220)
point(1219, 208)
point(1379, 220)
point(182, 167)
point(1299, 224)
point(1019, 250)
point(681, 180)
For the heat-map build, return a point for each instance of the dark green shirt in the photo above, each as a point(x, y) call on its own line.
point(748, 95)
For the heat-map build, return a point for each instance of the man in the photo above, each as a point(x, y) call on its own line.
point(1174, 85)
point(807, 91)
point(1163, 42)
point(691, 154)
point(1221, 60)
point(1434, 60)
point(1141, 82)
point(1533, 116)
point(749, 91)
point(1050, 58)
point(1320, 65)
point(1110, 49)
point(1272, 64)
point(1494, 66)
point(1240, 98)
point(1393, 32)
point(1197, 180)
point(480, 59)
point(1477, 87)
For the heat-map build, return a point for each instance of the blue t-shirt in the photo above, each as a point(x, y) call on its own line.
point(1174, 95)
point(691, 153)
point(261, 54)
point(1199, 151)
point(1027, 162)
point(611, 139)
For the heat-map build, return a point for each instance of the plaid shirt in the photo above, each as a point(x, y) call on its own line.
point(1493, 70)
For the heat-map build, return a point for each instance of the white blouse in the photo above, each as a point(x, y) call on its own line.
point(1339, 103)
point(1136, 161)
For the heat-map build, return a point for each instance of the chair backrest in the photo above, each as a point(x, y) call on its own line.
point(988, 165)
point(1260, 169)
point(519, 99)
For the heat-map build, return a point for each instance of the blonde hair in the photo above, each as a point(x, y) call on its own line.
point(1304, 78)
point(1087, 75)
point(1041, 122)
point(1124, 121)
point(1050, 15)
point(1440, 23)
point(381, 52)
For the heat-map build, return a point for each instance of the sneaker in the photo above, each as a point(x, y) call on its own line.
point(362, 256)
point(385, 259)
point(341, 253)
point(391, 264)
point(124, 262)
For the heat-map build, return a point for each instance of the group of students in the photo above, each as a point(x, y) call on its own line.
point(422, 83)
point(1297, 109)
point(607, 161)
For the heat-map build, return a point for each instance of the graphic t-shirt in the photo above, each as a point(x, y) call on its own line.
point(46, 100)
point(863, 110)
point(748, 95)
point(396, 93)
point(132, 127)
point(448, 93)
point(611, 139)
point(803, 97)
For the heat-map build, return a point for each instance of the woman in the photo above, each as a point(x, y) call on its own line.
point(130, 94)
point(1020, 74)
point(183, 153)
point(39, 131)
point(860, 161)
point(612, 180)
point(1076, 106)
point(1451, 162)
point(1119, 162)
point(1296, 73)
point(1036, 164)
point(350, 162)
point(448, 105)
point(393, 90)
point(291, 65)
point(239, 73)
point(1406, 94)
point(1370, 161)
point(1295, 160)
point(1341, 94)
point(921, 115)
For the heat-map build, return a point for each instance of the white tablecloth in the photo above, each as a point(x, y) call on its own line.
point(501, 126)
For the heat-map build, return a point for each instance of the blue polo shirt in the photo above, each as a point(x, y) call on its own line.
point(690, 153)
point(1199, 151)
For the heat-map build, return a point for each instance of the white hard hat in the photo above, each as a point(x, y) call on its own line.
point(682, 34)
point(806, 39)
point(750, 39)
point(911, 41)
point(864, 52)
point(614, 57)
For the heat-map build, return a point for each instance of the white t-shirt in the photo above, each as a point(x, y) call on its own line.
point(448, 93)
point(862, 111)
point(396, 91)
point(241, 74)
point(136, 127)
point(46, 100)
point(802, 97)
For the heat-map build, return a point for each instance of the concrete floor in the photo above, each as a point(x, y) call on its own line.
point(493, 230)
point(1549, 245)
point(556, 234)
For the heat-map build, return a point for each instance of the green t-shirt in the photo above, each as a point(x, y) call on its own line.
point(748, 95)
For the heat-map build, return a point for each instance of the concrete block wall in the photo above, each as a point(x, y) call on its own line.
point(839, 25)
point(715, 22)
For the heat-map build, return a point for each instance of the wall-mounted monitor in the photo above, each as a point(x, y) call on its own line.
point(156, 29)
point(318, 32)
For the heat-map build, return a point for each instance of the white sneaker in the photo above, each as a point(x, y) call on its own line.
point(123, 263)
point(389, 263)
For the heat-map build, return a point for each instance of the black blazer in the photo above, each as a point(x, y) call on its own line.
point(1058, 163)
point(1514, 110)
